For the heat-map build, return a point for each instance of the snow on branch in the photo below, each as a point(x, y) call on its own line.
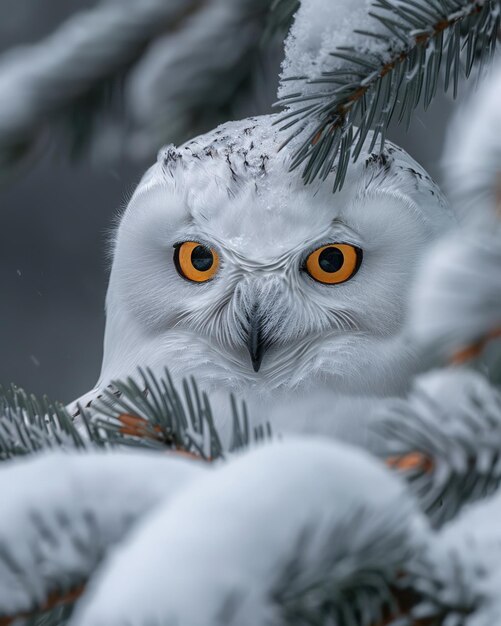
point(372, 66)
point(455, 305)
point(62, 512)
point(305, 531)
point(186, 79)
point(445, 439)
point(472, 155)
point(281, 533)
point(466, 579)
point(39, 80)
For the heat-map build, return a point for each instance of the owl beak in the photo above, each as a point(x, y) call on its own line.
point(256, 343)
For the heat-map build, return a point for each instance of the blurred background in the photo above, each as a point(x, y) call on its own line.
point(89, 92)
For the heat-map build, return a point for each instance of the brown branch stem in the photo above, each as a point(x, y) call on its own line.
point(336, 119)
point(54, 600)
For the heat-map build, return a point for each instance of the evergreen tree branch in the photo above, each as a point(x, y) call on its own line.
point(152, 411)
point(57, 608)
point(29, 425)
point(301, 549)
point(464, 321)
point(145, 411)
point(369, 88)
point(87, 52)
point(177, 90)
point(66, 513)
point(445, 440)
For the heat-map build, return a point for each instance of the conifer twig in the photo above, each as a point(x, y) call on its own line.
point(55, 600)
point(78, 64)
point(370, 88)
point(446, 443)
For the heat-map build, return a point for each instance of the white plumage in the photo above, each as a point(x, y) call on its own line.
point(263, 327)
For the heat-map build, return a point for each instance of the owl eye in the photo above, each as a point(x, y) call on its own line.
point(334, 264)
point(195, 261)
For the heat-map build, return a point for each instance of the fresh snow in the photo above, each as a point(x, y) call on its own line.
point(472, 155)
point(61, 513)
point(467, 557)
point(320, 28)
point(41, 77)
point(221, 547)
point(455, 299)
point(179, 70)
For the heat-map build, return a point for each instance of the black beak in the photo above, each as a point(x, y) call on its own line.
point(256, 344)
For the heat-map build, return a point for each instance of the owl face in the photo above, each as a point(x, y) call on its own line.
point(227, 267)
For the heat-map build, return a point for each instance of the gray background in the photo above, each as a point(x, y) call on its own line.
point(55, 218)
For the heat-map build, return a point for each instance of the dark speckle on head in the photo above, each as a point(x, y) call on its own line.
point(234, 176)
point(381, 159)
point(415, 173)
point(380, 164)
point(171, 155)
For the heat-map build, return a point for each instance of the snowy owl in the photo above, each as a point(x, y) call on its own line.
point(226, 267)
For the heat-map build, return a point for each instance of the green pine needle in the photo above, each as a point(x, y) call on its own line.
point(455, 455)
point(369, 89)
point(146, 411)
point(153, 411)
point(29, 425)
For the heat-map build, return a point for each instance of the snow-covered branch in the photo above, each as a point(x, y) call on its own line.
point(349, 70)
point(185, 79)
point(61, 513)
point(91, 47)
point(445, 438)
point(472, 155)
point(455, 306)
point(281, 533)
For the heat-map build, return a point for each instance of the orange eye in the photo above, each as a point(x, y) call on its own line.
point(195, 261)
point(334, 264)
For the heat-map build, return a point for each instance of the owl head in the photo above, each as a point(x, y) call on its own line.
point(227, 267)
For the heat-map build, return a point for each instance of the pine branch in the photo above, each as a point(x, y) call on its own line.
point(142, 75)
point(29, 425)
point(66, 513)
point(354, 581)
point(151, 411)
point(464, 320)
point(445, 440)
point(315, 542)
point(146, 412)
point(369, 88)
point(55, 612)
point(177, 90)
point(76, 67)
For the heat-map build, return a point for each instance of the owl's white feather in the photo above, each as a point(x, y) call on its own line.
point(233, 190)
